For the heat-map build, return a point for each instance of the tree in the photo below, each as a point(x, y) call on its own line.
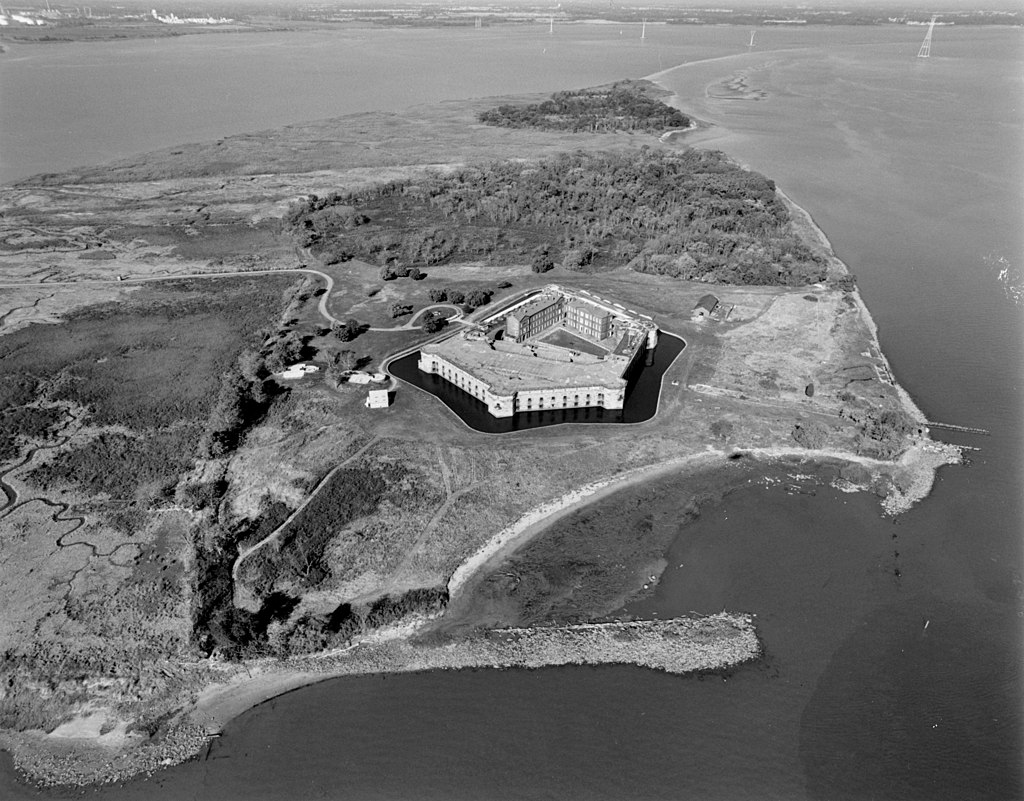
point(348, 330)
point(437, 295)
point(434, 323)
point(416, 275)
point(387, 273)
point(252, 365)
point(542, 261)
point(455, 296)
point(478, 297)
point(344, 360)
point(400, 310)
point(810, 433)
point(287, 350)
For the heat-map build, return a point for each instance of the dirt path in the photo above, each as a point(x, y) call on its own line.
point(276, 533)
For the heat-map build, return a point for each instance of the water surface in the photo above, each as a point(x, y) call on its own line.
point(643, 394)
point(913, 169)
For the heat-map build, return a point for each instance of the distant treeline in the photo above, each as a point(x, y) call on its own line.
point(693, 215)
point(621, 108)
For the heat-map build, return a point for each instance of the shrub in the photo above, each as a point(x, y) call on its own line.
point(810, 433)
point(722, 429)
point(434, 323)
point(400, 310)
point(348, 330)
point(478, 297)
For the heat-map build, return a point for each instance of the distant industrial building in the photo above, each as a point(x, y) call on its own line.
point(559, 349)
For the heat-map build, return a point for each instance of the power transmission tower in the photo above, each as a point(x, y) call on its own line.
point(926, 45)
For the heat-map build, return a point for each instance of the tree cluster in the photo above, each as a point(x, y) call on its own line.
point(693, 215)
point(620, 108)
point(313, 633)
point(434, 322)
point(883, 434)
point(348, 330)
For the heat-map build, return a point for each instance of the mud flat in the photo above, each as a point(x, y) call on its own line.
point(679, 646)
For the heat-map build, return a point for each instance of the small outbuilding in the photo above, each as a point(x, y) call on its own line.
point(705, 307)
point(299, 370)
point(378, 399)
point(359, 378)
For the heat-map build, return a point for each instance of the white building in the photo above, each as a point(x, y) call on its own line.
point(378, 399)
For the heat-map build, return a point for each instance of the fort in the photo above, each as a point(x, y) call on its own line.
point(555, 349)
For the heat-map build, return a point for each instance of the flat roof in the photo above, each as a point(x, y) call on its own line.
point(508, 371)
point(597, 311)
point(535, 305)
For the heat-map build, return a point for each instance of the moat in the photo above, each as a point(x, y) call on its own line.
point(641, 401)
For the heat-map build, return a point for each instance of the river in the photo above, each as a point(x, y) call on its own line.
point(893, 664)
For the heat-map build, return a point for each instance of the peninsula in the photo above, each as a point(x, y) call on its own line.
point(189, 530)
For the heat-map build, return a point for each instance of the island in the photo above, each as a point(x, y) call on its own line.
point(202, 508)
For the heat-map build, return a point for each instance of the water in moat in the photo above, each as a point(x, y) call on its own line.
point(642, 395)
point(874, 685)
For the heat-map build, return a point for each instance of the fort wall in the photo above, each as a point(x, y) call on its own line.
point(519, 374)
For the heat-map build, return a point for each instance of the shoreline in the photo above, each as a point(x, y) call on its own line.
point(680, 646)
point(909, 406)
point(242, 686)
point(810, 225)
point(44, 760)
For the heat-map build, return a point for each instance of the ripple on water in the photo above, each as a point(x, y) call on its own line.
point(920, 727)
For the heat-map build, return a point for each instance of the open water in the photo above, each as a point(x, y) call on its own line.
point(893, 666)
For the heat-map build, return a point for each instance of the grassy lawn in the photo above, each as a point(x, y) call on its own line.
point(570, 341)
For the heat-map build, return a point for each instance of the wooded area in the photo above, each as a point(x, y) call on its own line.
point(623, 107)
point(692, 214)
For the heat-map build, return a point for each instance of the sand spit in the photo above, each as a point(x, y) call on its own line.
point(539, 518)
point(682, 645)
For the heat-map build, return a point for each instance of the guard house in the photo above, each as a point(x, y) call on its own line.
point(378, 399)
point(705, 307)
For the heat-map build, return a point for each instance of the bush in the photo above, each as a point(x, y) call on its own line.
point(434, 323)
point(810, 434)
point(505, 285)
point(722, 429)
point(400, 310)
point(478, 297)
point(542, 261)
point(348, 330)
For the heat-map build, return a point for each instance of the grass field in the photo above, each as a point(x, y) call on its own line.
point(132, 512)
point(118, 396)
point(148, 370)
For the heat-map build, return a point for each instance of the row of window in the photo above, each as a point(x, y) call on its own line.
point(461, 382)
point(528, 405)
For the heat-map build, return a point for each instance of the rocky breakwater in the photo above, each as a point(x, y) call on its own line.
point(679, 645)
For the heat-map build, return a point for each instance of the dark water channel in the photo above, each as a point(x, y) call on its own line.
point(642, 395)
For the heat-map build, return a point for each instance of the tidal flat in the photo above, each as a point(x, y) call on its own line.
point(275, 446)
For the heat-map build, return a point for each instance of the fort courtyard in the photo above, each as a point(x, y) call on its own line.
point(557, 349)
